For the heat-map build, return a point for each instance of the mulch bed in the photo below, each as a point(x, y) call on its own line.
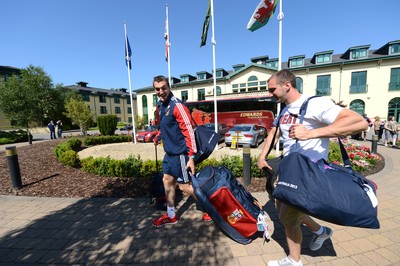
point(43, 176)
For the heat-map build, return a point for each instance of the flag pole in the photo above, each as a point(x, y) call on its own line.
point(167, 43)
point(128, 60)
point(280, 18)
point(214, 69)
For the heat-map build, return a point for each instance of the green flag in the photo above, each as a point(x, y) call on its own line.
point(205, 25)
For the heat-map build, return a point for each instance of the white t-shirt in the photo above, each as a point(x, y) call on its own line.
point(320, 113)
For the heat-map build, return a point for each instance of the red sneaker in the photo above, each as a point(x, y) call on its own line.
point(164, 219)
point(206, 217)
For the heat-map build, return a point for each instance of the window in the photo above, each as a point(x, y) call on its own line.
point(128, 101)
point(220, 74)
point(184, 96)
point(323, 85)
point(272, 64)
point(394, 109)
point(185, 79)
point(263, 85)
point(323, 58)
point(252, 81)
point(117, 110)
point(358, 82)
point(218, 90)
point(242, 87)
point(235, 88)
point(201, 76)
point(85, 97)
point(394, 84)
point(117, 100)
point(296, 62)
point(145, 109)
point(395, 48)
point(299, 84)
point(129, 110)
point(103, 98)
point(155, 99)
point(358, 106)
point(359, 53)
point(201, 94)
point(103, 110)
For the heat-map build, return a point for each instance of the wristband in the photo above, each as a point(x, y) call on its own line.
point(191, 157)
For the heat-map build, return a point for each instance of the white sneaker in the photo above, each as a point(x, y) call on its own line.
point(317, 240)
point(284, 262)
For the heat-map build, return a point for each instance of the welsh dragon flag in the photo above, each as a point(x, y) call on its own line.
point(262, 14)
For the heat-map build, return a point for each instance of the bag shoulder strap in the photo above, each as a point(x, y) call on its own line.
point(345, 156)
point(303, 108)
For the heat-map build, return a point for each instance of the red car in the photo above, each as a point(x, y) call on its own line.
point(148, 134)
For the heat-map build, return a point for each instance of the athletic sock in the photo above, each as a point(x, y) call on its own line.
point(319, 231)
point(171, 212)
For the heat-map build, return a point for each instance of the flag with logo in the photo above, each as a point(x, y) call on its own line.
point(128, 53)
point(205, 25)
point(262, 14)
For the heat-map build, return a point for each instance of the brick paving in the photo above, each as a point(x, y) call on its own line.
point(104, 231)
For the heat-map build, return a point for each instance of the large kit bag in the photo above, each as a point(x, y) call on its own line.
point(327, 191)
point(233, 209)
point(206, 141)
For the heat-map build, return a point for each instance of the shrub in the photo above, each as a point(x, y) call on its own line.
point(135, 167)
point(107, 124)
point(69, 158)
point(97, 140)
point(72, 144)
point(13, 136)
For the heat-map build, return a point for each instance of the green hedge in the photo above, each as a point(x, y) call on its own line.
point(134, 166)
point(14, 136)
point(98, 140)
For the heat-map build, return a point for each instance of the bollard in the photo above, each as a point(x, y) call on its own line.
point(374, 144)
point(246, 165)
point(13, 166)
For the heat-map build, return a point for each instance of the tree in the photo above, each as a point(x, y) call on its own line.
point(79, 113)
point(30, 98)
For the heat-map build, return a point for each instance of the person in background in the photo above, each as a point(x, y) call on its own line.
point(377, 127)
point(52, 128)
point(177, 135)
point(391, 131)
point(369, 121)
point(59, 128)
point(323, 120)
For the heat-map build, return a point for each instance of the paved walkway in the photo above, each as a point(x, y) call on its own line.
point(51, 231)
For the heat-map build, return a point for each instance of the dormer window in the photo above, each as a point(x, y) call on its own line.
point(201, 76)
point(220, 74)
point(394, 48)
point(185, 79)
point(297, 61)
point(272, 64)
point(323, 58)
point(358, 53)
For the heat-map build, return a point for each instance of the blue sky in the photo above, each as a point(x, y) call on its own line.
point(83, 40)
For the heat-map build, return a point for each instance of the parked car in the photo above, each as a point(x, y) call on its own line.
point(222, 129)
point(148, 134)
point(127, 127)
point(249, 134)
